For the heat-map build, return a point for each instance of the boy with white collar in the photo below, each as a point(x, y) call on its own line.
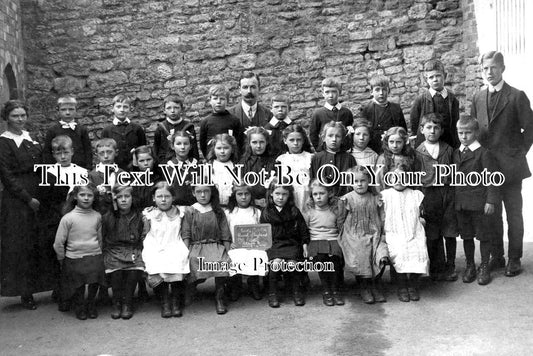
point(439, 100)
point(174, 121)
point(381, 113)
point(331, 111)
point(128, 135)
point(438, 203)
point(278, 123)
point(68, 126)
point(474, 204)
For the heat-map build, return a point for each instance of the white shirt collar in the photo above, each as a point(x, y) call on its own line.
point(100, 167)
point(189, 162)
point(174, 122)
point(68, 125)
point(443, 92)
point(117, 122)
point(432, 148)
point(202, 208)
point(330, 107)
point(497, 87)
point(472, 147)
point(275, 121)
point(379, 104)
point(246, 108)
point(25, 135)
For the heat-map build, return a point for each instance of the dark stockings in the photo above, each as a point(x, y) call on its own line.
point(469, 247)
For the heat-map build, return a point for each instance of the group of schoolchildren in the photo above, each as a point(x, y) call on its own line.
point(124, 236)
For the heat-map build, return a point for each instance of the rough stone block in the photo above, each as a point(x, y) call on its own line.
point(418, 53)
point(393, 69)
point(243, 61)
point(390, 62)
point(69, 84)
point(361, 35)
point(418, 37)
point(110, 79)
point(419, 11)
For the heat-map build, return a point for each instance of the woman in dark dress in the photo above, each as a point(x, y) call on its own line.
point(25, 262)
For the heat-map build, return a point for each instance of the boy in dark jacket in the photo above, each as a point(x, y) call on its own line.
point(474, 203)
point(439, 100)
point(128, 135)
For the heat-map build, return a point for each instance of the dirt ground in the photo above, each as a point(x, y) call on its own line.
point(450, 319)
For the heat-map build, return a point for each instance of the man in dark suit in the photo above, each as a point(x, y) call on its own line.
point(506, 129)
point(249, 111)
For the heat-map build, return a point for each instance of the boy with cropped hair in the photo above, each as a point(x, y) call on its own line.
point(331, 111)
point(474, 204)
point(439, 100)
point(127, 135)
point(438, 203)
point(381, 113)
point(174, 121)
point(280, 107)
point(68, 126)
point(106, 153)
point(219, 121)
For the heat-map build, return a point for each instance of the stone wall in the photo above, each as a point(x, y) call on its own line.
point(149, 49)
point(11, 54)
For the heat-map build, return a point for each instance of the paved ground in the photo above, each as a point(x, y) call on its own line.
point(450, 319)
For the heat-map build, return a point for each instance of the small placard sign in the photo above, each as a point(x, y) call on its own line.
point(256, 237)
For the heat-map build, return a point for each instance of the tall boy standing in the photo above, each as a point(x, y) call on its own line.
point(68, 126)
point(506, 121)
point(439, 100)
point(381, 113)
point(127, 134)
point(438, 203)
point(331, 111)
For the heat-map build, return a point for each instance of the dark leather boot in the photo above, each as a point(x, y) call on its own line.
point(450, 273)
point(219, 301)
point(253, 286)
point(28, 302)
point(175, 307)
point(403, 294)
point(117, 307)
point(327, 298)
point(513, 267)
point(469, 274)
point(273, 300)
point(166, 312)
point(366, 296)
point(91, 310)
point(127, 311)
point(483, 277)
point(337, 298)
point(496, 263)
point(81, 312)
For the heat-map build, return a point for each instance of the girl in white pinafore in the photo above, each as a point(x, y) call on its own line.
point(405, 237)
point(164, 253)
